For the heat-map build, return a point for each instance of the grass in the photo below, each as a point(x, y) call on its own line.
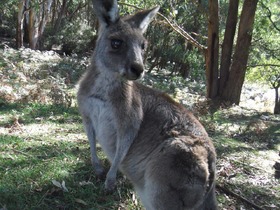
point(35, 152)
point(45, 157)
point(41, 143)
point(247, 148)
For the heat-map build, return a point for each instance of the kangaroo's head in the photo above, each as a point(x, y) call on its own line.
point(120, 46)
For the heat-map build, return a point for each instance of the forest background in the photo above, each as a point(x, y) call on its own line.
point(221, 59)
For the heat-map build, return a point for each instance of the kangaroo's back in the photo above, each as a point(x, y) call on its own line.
point(171, 161)
point(159, 145)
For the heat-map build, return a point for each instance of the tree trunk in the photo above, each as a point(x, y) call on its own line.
point(276, 85)
point(54, 12)
point(60, 16)
point(32, 29)
point(277, 101)
point(37, 19)
point(237, 72)
point(212, 53)
point(19, 31)
point(227, 45)
point(44, 18)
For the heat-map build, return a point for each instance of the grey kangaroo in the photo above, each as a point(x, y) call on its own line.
point(159, 145)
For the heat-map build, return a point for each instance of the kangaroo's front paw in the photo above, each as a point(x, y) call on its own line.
point(100, 172)
point(110, 184)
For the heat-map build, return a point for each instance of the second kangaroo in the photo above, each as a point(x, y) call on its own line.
point(158, 144)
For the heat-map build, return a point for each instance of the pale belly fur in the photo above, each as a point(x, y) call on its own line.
point(105, 130)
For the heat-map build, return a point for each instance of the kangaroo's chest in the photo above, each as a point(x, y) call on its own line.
point(102, 117)
point(97, 105)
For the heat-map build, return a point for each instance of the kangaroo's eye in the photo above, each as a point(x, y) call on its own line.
point(116, 43)
point(143, 46)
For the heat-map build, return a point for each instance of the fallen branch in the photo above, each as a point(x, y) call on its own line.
point(231, 193)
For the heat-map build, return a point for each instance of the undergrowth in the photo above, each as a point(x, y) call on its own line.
point(45, 157)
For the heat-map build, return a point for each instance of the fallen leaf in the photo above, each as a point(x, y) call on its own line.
point(60, 185)
point(81, 201)
point(84, 183)
point(64, 187)
point(56, 183)
point(39, 189)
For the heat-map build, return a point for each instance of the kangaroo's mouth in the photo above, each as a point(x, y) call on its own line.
point(131, 75)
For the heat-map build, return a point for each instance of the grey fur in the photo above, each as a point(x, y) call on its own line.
point(159, 145)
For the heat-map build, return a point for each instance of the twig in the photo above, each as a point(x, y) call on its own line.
point(183, 33)
point(229, 192)
point(199, 35)
point(265, 64)
point(42, 198)
point(176, 28)
point(269, 16)
point(23, 153)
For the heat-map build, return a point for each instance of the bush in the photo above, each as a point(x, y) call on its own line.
point(41, 77)
point(73, 37)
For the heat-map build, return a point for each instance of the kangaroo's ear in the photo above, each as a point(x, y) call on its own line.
point(142, 19)
point(106, 11)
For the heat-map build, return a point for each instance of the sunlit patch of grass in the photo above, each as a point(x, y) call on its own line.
point(247, 145)
point(48, 143)
point(247, 171)
point(30, 113)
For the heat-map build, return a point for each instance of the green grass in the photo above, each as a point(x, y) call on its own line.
point(37, 112)
point(34, 154)
point(247, 148)
point(43, 143)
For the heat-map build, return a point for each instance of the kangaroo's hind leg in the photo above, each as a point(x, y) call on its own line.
point(178, 176)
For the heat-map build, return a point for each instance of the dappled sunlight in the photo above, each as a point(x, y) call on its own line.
point(248, 172)
point(257, 97)
point(44, 146)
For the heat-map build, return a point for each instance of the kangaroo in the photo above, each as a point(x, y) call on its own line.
point(159, 145)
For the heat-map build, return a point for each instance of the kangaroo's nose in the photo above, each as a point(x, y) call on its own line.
point(137, 69)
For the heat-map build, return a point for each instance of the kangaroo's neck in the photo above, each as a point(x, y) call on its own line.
point(109, 84)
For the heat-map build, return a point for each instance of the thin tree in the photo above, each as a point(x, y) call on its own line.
point(233, 85)
point(20, 19)
point(212, 53)
point(228, 44)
